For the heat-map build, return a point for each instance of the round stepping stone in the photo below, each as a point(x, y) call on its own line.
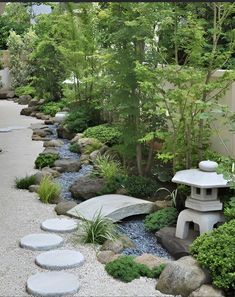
point(60, 259)
point(41, 242)
point(59, 225)
point(54, 283)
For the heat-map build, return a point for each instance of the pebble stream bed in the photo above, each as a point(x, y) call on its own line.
point(133, 227)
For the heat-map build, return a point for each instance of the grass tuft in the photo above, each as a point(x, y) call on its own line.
point(25, 182)
point(48, 190)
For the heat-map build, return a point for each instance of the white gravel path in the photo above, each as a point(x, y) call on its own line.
point(21, 213)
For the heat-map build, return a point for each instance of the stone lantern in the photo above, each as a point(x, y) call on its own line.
point(203, 205)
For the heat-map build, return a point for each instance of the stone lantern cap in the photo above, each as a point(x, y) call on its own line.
point(204, 177)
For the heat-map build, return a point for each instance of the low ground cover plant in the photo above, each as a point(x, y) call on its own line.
point(105, 133)
point(44, 160)
point(48, 190)
point(25, 182)
point(98, 230)
point(51, 108)
point(126, 269)
point(74, 148)
point(25, 90)
point(214, 250)
point(161, 218)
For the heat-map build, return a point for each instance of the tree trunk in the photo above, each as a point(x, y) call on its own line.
point(139, 158)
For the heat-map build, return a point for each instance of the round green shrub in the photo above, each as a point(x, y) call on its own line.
point(126, 269)
point(215, 251)
point(44, 160)
point(105, 133)
point(161, 218)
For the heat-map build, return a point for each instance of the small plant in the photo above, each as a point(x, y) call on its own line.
point(48, 191)
point(25, 182)
point(96, 145)
point(74, 148)
point(51, 108)
point(171, 195)
point(229, 209)
point(98, 230)
point(161, 218)
point(214, 250)
point(126, 269)
point(107, 166)
point(25, 90)
point(44, 160)
point(105, 133)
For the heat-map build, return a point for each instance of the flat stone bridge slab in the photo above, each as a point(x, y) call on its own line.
point(113, 206)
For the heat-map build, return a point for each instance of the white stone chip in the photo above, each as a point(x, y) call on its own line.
point(59, 225)
point(52, 284)
point(41, 242)
point(60, 259)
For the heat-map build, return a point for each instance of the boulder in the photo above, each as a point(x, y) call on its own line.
point(41, 132)
point(24, 99)
point(62, 207)
point(53, 143)
point(50, 121)
point(42, 116)
point(76, 137)
point(33, 188)
point(84, 142)
point(50, 171)
point(68, 165)
point(118, 245)
point(33, 102)
point(10, 94)
point(105, 257)
point(3, 94)
point(160, 204)
point(50, 150)
point(182, 277)
point(64, 132)
point(94, 155)
point(84, 159)
point(27, 111)
point(207, 291)
point(150, 260)
point(87, 187)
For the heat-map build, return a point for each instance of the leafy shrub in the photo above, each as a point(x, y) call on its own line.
point(93, 147)
point(107, 166)
point(25, 182)
point(44, 160)
point(229, 209)
point(51, 108)
point(25, 90)
point(140, 187)
point(214, 250)
point(105, 133)
point(48, 191)
point(80, 119)
point(126, 269)
point(74, 148)
point(161, 218)
point(98, 230)
point(112, 185)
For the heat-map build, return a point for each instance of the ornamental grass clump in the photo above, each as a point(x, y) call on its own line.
point(126, 269)
point(48, 190)
point(98, 230)
point(25, 182)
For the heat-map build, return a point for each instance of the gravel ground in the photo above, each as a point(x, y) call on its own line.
point(21, 213)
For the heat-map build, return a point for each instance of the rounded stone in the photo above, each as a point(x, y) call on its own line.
point(59, 225)
point(41, 242)
point(208, 166)
point(60, 259)
point(54, 283)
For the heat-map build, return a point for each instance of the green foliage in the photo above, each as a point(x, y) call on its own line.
point(105, 133)
point(161, 218)
point(48, 191)
point(98, 230)
point(96, 145)
point(140, 187)
point(214, 250)
point(74, 148)
point(51, 108)
point(126, 269)
point(25, 182)
point(80, 119)
point(44, 160)
point(107, 167)
point(229, 209)
point(25, 90)
point(113, 184)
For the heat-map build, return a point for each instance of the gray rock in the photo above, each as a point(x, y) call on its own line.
point(87, 187)
point(68, 165)
point(62, 207)
point(64, 132)
point(83, 143)
point(115, 246)
point(50, 121)
point(76, 137)
point(59, 225)
point(207, 291)
point(33, 102)
point(150, 260)
point(33, 188)
point(46, 171)
point(60, 259)
point(27, 111)
point(50, 150)
point(84, 159)
point(42, 116)
point(53, 283)
point(41, 242)
point(182, 277)
point(53, 143)
point(105, 257)
point(24, 99)
point(94, 155)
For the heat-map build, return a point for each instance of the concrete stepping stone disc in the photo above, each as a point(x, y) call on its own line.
point(59, 225)
point(54, 283)
point(60, 259)
point(41, 242)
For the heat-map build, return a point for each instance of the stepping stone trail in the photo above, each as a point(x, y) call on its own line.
point(41, 242)
point(54, 283)
point(60, 259)
point(59, 225)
